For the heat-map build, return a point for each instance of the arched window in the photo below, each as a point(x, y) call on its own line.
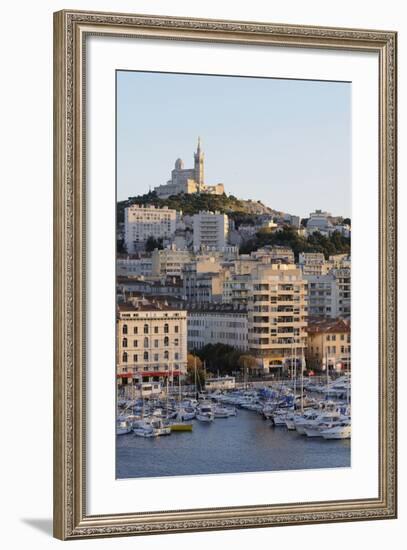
point(166, 355)
point(146, 342)
point(145, 356)
point(124, 329)
point(124, 357)
point(146, 329)
point(124, 342)
point(166, 328)
point(166, 341)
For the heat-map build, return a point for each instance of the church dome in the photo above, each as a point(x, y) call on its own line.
point(179, 164)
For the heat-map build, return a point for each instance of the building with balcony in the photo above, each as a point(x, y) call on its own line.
point(277, 315)
point(329, 295)
point(236, 289)
point(313, 263)
point(151, 342)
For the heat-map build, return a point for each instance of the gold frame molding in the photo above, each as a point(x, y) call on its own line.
point(70, 31)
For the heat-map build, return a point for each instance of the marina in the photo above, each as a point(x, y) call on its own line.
point(243, 430)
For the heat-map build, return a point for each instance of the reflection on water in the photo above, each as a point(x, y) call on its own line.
point(244, 443)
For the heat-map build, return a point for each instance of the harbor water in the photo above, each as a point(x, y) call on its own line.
point(242, 443)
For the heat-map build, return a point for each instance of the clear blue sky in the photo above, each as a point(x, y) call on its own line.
point(284, 142)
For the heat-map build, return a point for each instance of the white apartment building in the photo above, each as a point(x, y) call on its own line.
point(169, 261)
point(319, 221)
point(329, 295)
point(142, 222)
point(277, 315)
point(210, 230)
point(217, 324)
point(134, 267)
point(151, 342)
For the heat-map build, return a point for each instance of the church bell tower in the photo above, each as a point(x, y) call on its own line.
point(199, 166)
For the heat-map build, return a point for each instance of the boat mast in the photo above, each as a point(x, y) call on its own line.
point(327, 373)
point(295, 376)
point(302, 379)
point(196, 390)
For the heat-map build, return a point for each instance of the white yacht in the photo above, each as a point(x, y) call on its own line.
point(342, 431)
point(205, 412)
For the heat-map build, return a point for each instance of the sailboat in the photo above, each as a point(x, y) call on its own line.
point(179, 424)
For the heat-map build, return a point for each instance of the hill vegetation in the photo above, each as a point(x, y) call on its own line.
point(240, 211)
point(334, 244)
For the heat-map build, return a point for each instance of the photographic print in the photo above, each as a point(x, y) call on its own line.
point(233, 274)
point(209, 179)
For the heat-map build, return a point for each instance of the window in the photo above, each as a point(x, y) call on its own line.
point(176, 328)
point(333, 337)
point(124, 357)
point(146, 342)
point(156, 357)
point(155, 330)
point(176, 342)
point(166, 328)
point(145, 329)
point(342, 337)
point(176, 356)
point(166, 341)
point(145, 356)
point(156, 343)
point(124, 342)
point(124, 329)
point(135, 330)
point(135, 343)
point(166, 355)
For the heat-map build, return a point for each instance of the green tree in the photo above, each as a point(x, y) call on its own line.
point(152, 243)
point(194, 362)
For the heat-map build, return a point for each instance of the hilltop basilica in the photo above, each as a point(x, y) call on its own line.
point(188, 180)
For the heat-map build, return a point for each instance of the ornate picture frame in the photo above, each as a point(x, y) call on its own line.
point(71, 520)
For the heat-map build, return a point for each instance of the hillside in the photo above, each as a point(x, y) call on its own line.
point(241, 211)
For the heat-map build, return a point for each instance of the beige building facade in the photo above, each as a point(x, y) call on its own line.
point(277, 315)
point(169, 262)
point(151, 342)
point(329, 342)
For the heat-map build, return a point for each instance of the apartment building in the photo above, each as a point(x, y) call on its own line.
point(169, 262)
point(313, 263)
point(277, 314)
point(328, 343)
point(151, 342)
point(142, 222)
point(217, 324)
point(210, 230)
point(329, 295)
